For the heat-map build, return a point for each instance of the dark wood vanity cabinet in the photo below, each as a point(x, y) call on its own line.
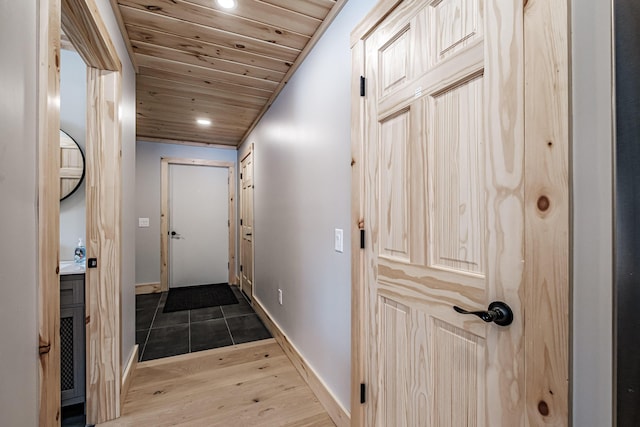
point(72, 339)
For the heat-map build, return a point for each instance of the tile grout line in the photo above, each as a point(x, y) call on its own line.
point(146, 340)
point(233, 342)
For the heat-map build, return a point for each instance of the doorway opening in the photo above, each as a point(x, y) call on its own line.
point(191, 241)
point(198, 241)
point(88, 33)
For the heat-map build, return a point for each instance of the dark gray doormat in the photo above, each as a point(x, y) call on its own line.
point(201, 296)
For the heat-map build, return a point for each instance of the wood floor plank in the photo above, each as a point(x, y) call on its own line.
point(251, 384)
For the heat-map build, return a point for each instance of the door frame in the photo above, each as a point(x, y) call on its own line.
point(249, 150)
point(164, 214)
point(85, 28)
point(546, 275)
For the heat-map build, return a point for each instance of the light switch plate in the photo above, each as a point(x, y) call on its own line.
point(143, 222)
point(339, 241)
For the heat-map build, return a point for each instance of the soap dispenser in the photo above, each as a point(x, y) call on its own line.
point(80, 253)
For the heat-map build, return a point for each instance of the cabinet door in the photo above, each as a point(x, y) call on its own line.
point(72, 355)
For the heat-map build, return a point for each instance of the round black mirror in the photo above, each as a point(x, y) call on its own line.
point(71, 165)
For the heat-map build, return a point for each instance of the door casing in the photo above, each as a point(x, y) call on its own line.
point(547, 207)
point(86, 30)
point(164, 214)
point(244, 256)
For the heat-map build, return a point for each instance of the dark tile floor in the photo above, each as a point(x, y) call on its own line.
point(161, 334)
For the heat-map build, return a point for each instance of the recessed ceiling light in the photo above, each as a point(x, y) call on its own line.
point(227, 4)
point(204, 122)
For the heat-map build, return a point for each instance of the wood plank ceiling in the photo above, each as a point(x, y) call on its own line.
point(197, 60)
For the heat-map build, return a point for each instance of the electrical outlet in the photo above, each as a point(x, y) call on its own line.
point(143, 222)
point(280, 296)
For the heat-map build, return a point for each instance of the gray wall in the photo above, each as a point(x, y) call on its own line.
point(18, 192)
point(73, 120)
point(592, 214)
point(148, 198)
point(302, 193)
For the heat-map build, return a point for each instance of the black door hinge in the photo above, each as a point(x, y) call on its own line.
point(240, 268)
point(240, 221)
point(363, 394)
point(240, 176)
point(362, 239)
point(362, 84)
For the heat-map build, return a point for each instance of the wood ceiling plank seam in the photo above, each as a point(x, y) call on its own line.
point(161, 132)
point(268, 14)
point(189, 89)
point(316, 37)
point(206, 61)
point(191, 143)
point(212, 137)
point(211, 141)
point(156, 129)
point(179, 127)
point(204, 85)
point(183, 115)
point(167, 121)
point(199, 46)
point(222, 126)
point(315, 8)
point(197, 14)
point(123, 31)
point(179, 109)
point(160, 95)
point(165, 131)
point(144, 19)
point(221, 134)
point(188, 114)
point(240, 101)
point(197, 70)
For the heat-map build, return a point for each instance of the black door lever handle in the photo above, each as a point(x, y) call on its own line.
point(498, 312)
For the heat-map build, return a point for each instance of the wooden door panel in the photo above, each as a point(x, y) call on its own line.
point(403, 365)
point(456, 175)
point(394, 61)
point(394, 224)
point(455, 24)
point(458, 370)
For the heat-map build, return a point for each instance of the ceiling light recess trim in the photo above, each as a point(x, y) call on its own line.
point(227, 4)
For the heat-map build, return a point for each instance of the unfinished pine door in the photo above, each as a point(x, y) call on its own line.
point(246, 221)
point(443, 214)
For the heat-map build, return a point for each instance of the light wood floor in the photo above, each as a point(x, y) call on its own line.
point(251, 384)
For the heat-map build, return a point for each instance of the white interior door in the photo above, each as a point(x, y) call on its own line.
point(198, 225)
point(444, 215)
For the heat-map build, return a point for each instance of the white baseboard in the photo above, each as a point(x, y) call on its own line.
point(338, 414)
point(127, 375)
